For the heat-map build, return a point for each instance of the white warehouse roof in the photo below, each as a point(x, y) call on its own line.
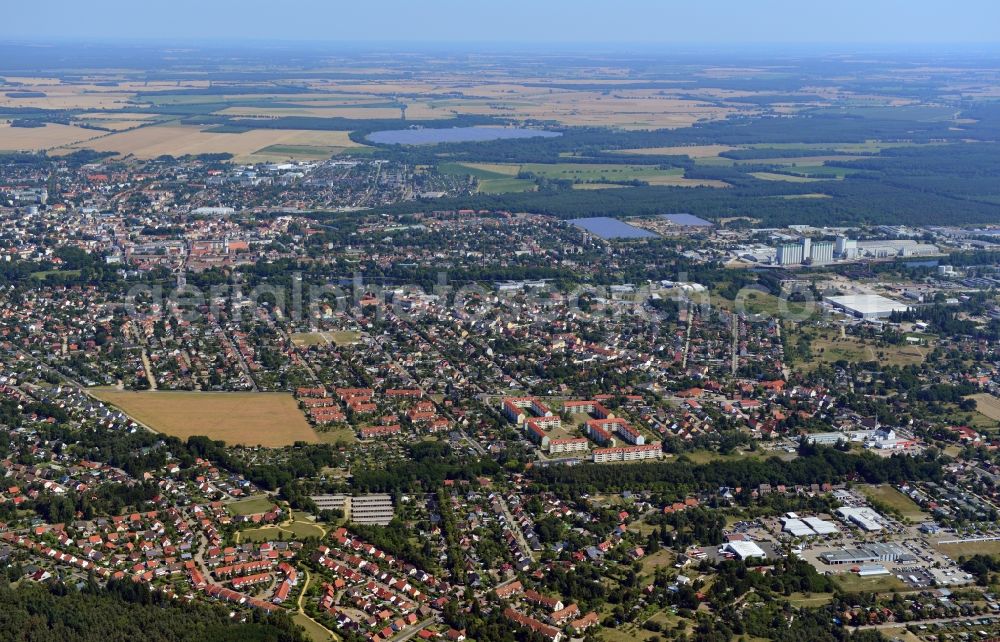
point(797, 528)
point(745, 550)
point(867, 306)
point(820, 526)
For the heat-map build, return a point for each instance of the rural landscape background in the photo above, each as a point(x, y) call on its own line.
point(543, 322)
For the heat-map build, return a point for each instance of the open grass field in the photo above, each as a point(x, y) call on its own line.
point(897, 500)
point(313, 630)
point(987, 405)
point(269, 419)
point(337, 435)
point(828, 346)
point(969, 549)
point(756, 302)
point(789, 178)
point(251, 505)
point(590, 175)
point(852, 583)
point(811, 600)
point(298, 527)
point(692, 151)
point(659, 559)
point(179, 140)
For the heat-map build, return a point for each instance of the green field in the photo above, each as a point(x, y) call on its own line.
point(305, 152)
point(251, 505)
point(502, 177)
point(756, 302)
point(852, 583)
point(892, 498)
point(969, 549)
point(811, 600)
point(43, 275)
point(337, 435)
point(315, 632)
point(298, 528)
point(789, 178)
point(828, 346)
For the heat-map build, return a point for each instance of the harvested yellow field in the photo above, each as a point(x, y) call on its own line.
point(694, 151)
point(987, 405)
point(627, 109)
point(40, 138)
point(179, 140)
point(681, 181)
point(113, 124)
point(70, 98)
point(270, 419)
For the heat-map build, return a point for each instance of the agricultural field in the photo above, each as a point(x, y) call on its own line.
point(51, 136)
point(790, 178)
point(987, 405)
point(415, 111)
point(494, 177)
point(270, 419)
point(179, 140)
point(691, 151)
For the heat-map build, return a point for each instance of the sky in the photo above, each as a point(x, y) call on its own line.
point(556, 22)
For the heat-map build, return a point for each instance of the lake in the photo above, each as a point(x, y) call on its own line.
point(430, 136)
point(611, 228)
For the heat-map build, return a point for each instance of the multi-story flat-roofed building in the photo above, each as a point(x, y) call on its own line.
point(627, 453)
point(568, 445)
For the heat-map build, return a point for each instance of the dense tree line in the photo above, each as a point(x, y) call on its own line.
point(126, 611)
point(814, 465)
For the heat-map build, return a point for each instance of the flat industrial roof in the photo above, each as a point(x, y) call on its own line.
point(868, 303)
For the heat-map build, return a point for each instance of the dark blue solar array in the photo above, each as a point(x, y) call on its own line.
point(611, 228)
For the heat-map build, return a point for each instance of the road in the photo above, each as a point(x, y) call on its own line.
point(408, 633)
point(241, 361)
point(514, 528)
point(149, 370)
point(687, 336)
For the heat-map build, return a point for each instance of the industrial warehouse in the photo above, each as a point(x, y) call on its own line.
point(866, 306)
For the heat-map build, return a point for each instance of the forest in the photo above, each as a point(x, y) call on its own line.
point(126, 611)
